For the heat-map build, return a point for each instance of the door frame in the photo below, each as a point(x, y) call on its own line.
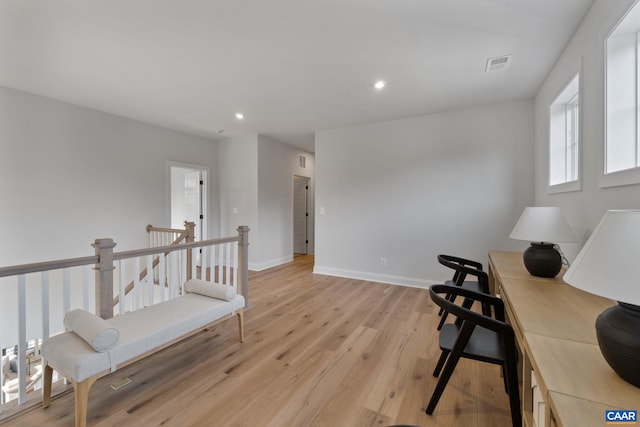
point(204, 195)
point(309, 221)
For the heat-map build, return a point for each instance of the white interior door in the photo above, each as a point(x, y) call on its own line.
point(192, 201)
point(300, 214)
point(188, 198)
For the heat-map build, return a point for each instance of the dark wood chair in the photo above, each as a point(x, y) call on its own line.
point(462, 268)
point(475, 336)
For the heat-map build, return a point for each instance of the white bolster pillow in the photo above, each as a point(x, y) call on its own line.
point(209, 289)
point(94, 330)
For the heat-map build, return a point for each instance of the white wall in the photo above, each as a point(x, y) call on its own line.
point(238, 178)
point(585, 52)
point(408, 190)
point(256, 178)
point(69, 175)
point(277, 164)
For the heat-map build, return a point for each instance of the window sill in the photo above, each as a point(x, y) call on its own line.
point(565, 187)
point(620, 178)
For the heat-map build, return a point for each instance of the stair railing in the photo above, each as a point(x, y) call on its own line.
point(159, 236)
point(42, 293)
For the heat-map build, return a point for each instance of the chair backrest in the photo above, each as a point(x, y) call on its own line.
point(448, 259)
point(465, 314)
point(464, 267)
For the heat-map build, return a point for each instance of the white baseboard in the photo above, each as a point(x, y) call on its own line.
point(254, 266)
point(374, 277)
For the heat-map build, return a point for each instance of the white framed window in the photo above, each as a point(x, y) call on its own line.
point(622, 117)
point(564, 139)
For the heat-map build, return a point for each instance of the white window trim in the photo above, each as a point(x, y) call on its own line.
point(575, 185)
point(565, 187)
point(620, 178)
point(629, 176)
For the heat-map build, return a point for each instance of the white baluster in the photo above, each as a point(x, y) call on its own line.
point(66, 290)
point(85, 285)
point(46, 327)
point(183, 269)
point(137, 300)
point(169, 268)
point(174, 274)
point(1, 380)
point(203, 266)
point(162, 277)
point(194, 262)
point(45, 304)
point(227, 264)
point(220, 263)
point(212, 272)
point(22, 339)
point(150, 280)
point(235, 266)
point(123, 290)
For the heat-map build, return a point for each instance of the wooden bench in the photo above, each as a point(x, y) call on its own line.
point(141, 333)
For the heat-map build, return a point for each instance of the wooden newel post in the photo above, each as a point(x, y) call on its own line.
point(104, 277)
point(243, 262)
point(191, 237)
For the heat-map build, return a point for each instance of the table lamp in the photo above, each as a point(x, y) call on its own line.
point(543, 227)
point(608, 266)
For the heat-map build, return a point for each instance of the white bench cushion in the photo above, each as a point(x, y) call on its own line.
point(208, 289)
point(141, 331)
point(99, 333)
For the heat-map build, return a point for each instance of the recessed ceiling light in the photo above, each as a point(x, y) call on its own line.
point(239, 116)
point(380, 84)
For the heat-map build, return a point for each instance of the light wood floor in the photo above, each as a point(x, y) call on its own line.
point(319, 351)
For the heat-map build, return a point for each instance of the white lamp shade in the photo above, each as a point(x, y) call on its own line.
point(543, 224)
point(609, 263)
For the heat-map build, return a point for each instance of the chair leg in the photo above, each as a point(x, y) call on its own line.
point(440, 364)
point(511, 378)
point(503, 370)
point(442, 320)
point(486, 309)
point(452, 361)
point(448, 297)
point(468, 303)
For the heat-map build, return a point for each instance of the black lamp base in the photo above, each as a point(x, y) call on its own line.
point(618, 332)
point(542, 260)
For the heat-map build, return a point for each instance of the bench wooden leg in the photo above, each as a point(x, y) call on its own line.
point(240, 315)
point(81, 391)
point(46, 386)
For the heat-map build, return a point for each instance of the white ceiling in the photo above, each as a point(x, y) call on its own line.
point(291, 66)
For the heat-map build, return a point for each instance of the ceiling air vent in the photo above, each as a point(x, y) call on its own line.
point(498, 63)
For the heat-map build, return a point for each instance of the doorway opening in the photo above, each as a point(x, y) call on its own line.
point(300, 214)
point(188, 197)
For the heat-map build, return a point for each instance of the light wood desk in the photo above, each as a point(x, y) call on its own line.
point(555, 331)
